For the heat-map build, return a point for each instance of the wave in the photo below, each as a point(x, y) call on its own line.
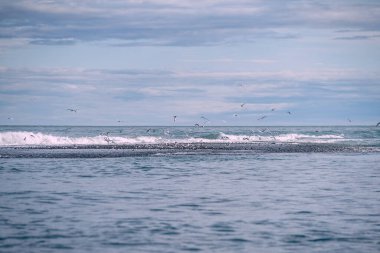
point(22, 138)
point(291, 137)
point(30, 138)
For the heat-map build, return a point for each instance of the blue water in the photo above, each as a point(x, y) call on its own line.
point(290, 193)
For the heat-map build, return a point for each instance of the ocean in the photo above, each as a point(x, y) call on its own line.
point(189, 189)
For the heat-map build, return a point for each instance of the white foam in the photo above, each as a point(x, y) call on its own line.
point(282, 138)
point(31, 138)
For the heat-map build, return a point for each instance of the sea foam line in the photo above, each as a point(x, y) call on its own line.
point(31, 138)
point(22, 138)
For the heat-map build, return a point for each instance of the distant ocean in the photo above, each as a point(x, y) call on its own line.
point(180, 189)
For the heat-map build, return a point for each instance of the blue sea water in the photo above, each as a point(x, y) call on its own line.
point(180, 189)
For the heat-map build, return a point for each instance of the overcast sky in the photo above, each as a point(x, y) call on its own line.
point(141, 62)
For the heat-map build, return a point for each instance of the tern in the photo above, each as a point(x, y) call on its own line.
point(150, 130)
point(108, 140)
point(204, 118)
point(174, 117)
point(263, 117)
point(72, 110)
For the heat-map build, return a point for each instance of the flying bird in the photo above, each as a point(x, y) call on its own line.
point(378, 124)
point(273, 109)
point(150, 130)
point(263, 117)
point(10, 118)
point(242, 105)
point(349, 120)
point(174, 117)
point(205, 119)
point(288, 112)
point(72, 110)
point(108, 140)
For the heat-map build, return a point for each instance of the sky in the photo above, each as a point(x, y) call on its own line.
point(136, 62)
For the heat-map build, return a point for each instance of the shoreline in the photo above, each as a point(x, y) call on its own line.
point(109, 150)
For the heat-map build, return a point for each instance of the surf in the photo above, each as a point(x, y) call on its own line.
point(27, 138)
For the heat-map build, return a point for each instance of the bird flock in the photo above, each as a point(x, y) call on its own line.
point(202, 122)
point(205, 120)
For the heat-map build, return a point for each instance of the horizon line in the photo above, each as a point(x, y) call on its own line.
point(336, 125)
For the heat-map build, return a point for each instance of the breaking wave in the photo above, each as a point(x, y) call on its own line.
point(24, 138)
point(290, 137)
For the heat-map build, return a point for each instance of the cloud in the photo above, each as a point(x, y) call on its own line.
point(159, 85)
point(178, 23)
point(358, 37)
point(230, 60)
point(131, 96)
point(53, 42)
point(153, 96)
point(306, 75)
